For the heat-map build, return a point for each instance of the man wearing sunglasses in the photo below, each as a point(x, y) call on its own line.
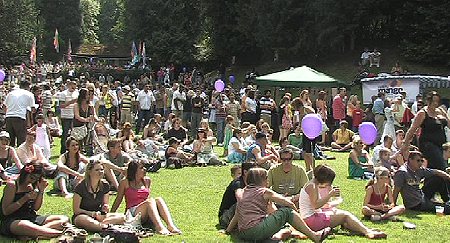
point(407, 182)
point(287, 178)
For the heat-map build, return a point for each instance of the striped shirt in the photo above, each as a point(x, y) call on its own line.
point(264, 101)
point(127, 101)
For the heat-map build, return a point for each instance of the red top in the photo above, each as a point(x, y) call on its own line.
point(338, 108)
point(377, 199)
point(357, 117)
point(134, 197)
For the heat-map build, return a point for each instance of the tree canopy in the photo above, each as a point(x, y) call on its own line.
point(216, 30)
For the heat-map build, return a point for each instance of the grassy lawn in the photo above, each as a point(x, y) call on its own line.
point(194, 194)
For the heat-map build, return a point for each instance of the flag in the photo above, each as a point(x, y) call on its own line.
point(134, 54)
point(69, 52)
point(56, 41)
point(33, 51)
point(143, 54)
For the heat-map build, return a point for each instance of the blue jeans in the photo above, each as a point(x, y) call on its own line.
point(220, 123)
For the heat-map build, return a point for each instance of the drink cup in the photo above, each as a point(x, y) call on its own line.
point(439, 211)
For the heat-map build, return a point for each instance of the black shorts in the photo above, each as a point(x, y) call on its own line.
point(308, 145)
point(5, 226)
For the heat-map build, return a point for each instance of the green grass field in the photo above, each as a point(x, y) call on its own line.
point(194, 194)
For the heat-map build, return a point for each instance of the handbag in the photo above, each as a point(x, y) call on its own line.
point(79, 133)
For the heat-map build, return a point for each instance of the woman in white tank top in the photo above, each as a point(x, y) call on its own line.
point(310, 204)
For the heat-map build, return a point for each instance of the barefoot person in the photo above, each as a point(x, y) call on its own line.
point(253, 219)
point(310, 204)
point(136, 189)
point(20, 202)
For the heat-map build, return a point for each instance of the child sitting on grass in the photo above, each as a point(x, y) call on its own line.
point(236, 172)
point(375, 206)
point(387, 162)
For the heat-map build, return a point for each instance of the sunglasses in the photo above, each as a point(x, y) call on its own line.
point(286, 159)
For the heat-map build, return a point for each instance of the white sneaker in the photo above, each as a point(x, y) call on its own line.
point(375, 218)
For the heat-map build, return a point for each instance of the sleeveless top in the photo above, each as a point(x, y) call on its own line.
point(84, 114)
point(305, 207)
point(134, 197)
point(250, 155)
point(252, 208)
point(6, 162)
point(26, 211)
point(433, 130)
point(377, 199)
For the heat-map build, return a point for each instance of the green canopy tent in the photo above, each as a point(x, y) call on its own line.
point(300, 77)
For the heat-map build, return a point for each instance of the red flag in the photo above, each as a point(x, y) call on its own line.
point(33, 51)
point(56, 41)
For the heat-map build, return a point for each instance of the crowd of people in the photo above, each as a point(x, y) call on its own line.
point(114, 131)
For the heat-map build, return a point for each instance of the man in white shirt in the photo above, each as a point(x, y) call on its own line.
point(67, 99)
point(145, 99)
point(178, 98)
point(17, 102)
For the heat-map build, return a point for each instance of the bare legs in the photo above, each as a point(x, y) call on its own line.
point(309, 161)
point(51, 228)
point(397, 210)
point(349, 221)
point(95, 225)
point(154, 210)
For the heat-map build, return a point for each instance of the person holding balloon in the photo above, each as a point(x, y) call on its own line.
point(312, 128)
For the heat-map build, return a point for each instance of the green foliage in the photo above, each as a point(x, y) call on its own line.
point(64, 15)
point(170, 28)
point(90, 9)
point(18, 26)
point(425, 31)
point(111, 21)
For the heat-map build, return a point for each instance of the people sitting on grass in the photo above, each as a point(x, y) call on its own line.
point(256, 220)
point(29, 150)
point(91, 201)
point(236, 147)
point(116, 162)
point(136, 189)
point(342, 138)
point(359, 163)
point(71, 167)
point(287, 178)
point(284, 144)
point(296, 138)
point(311, 202)
point(407, 182)
point(232, 194)
point(175, 156)
point(127, 136)
point(386, 161)
point(377, 191)
point(257, 152)
point(203, 149)
point(10, 164)
point(177, 131)
point(20, 202)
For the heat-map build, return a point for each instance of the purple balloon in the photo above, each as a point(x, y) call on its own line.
point(367, 132)
point(219, 85)
point(232, 79)
point(2, 75)
point(312, 125)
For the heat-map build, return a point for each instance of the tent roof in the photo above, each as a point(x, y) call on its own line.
point(297, 77)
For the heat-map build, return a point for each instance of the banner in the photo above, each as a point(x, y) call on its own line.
point(391, 87)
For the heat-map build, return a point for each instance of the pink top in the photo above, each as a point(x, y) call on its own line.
point(252, 208)
point(338, 108)
point(134, 197)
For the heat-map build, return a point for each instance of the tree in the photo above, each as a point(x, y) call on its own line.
point(64, 15)
point(18, 25)
point(90, 10)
